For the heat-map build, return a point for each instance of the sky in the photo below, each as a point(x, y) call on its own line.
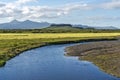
point(86, 12)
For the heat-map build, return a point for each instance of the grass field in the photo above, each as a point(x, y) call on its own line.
point(12, 44)
point(53, 35)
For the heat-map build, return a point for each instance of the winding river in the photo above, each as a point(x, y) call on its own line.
point(49, 63)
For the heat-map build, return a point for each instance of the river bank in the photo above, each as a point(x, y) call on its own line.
point(105, 55)
point(13, 47)
point(50, 63)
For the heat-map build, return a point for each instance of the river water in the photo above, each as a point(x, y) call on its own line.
point(50, 63)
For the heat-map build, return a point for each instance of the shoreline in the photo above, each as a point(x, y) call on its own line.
point(19, 51)
point(105, 55)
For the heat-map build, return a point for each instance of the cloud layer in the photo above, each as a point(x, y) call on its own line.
point(95, 18)
point(19, 10)
point(114, 4)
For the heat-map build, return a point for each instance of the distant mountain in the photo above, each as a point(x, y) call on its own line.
point(61, 28)
point(81, 26)
point(106, 27)
point(94, 27)
point(15, 24)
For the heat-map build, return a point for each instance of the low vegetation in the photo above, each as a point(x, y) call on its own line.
point(60, 29)
point(105, 54)
point(56, 35)
point(12, 44)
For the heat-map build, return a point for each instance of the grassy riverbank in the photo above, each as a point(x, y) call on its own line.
point(13, 44)
point(105, 55)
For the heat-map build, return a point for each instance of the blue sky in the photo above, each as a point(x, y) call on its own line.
point(87, 12)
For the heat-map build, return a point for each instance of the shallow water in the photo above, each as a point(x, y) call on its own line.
point(49, 63)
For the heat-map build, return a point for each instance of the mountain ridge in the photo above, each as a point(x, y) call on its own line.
point(28, 24)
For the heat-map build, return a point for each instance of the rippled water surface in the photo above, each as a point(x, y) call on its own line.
point(49, 63)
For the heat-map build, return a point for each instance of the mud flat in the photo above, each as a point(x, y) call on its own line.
point(104, 54)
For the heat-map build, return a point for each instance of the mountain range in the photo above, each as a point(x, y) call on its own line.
point(15, 24)
point(95, 27)
point(27, 24)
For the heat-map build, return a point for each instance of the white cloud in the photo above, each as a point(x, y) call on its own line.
point(18, 10)
point(24, 1)
point(114, 4)
point(2, 4)
point(73, 6)
point(106, 18)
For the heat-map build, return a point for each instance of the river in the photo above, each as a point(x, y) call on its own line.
point(50, 63)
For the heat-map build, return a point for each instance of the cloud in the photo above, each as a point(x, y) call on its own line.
point(2, 4)
point(114, 4)
point(24, 1)
point(18, 10)
point(74, 6)
point(94, 18)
